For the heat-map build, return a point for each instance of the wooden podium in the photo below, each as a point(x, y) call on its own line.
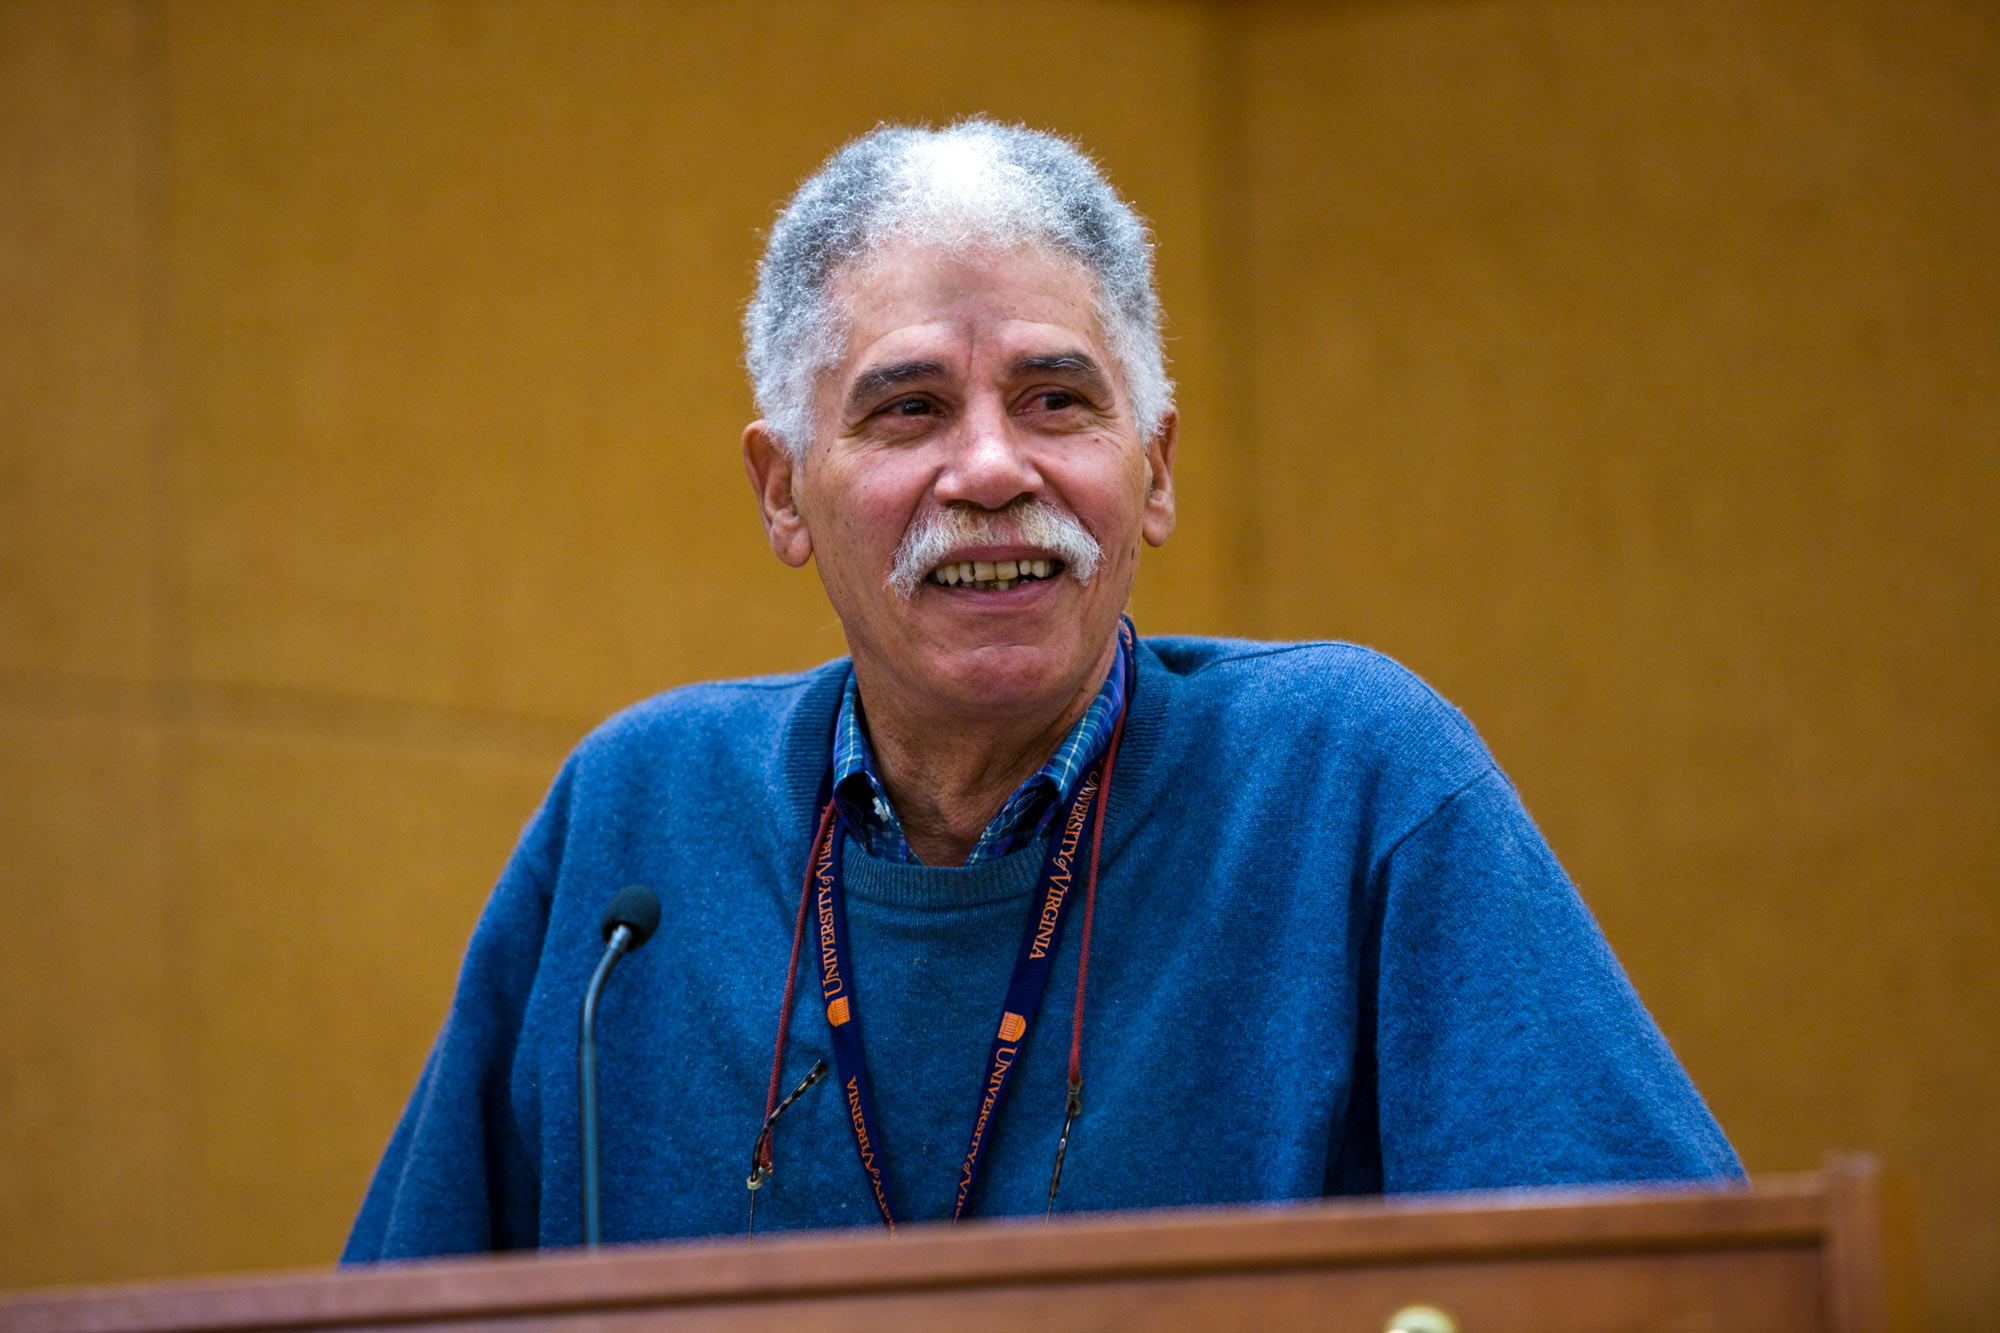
point(1795, 1252)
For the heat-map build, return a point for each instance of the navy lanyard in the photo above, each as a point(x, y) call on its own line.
point(823, 901)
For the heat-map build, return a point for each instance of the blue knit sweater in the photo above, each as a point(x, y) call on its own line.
point(1332, 955)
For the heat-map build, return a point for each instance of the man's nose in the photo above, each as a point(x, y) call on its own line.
point(988, 464)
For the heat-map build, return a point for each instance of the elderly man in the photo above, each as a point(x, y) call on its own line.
point(1085, 921)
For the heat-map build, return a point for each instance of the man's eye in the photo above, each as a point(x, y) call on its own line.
point(1056, 400)
point(910, 407)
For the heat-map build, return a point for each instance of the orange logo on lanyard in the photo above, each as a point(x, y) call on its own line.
point(836, 1013)
point(1012, 1025)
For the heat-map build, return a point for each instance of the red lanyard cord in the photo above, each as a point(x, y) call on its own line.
point(1073, 1101)
point(762, 1158)
point(1089, 907)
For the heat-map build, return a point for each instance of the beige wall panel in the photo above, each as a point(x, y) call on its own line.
point(457, 296)
point(92, 1142)
point(77, 387)
point(1629, 371)
point(331, 887)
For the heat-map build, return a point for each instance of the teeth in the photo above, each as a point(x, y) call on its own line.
point(990, 575)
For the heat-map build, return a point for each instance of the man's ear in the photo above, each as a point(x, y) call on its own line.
point(1157, 521)
point(774, 477)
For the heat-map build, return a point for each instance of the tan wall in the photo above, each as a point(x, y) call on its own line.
point(368, 397)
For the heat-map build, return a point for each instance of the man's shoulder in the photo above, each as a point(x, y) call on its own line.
point(1339, 710)
point(1328, 678)
point(1194, 654)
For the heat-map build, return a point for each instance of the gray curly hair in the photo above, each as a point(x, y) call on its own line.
point(975, 183)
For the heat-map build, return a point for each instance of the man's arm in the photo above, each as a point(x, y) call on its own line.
point(1508, 1047)
point(458, 1176)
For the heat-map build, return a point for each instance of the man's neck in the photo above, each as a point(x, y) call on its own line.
point(949, 778)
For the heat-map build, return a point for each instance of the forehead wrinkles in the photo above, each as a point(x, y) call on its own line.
point(900, 305)
point(935, 286)
point(1006, 348)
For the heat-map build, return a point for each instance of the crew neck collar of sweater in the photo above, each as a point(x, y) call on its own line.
point(808, 739)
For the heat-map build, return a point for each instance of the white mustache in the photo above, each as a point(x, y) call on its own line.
point(1037, 523)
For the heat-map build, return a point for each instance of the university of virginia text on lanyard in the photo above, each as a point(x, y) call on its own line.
point(824, 902)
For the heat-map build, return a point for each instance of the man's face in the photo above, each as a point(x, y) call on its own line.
point(971, 386)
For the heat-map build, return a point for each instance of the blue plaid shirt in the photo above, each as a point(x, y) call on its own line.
point(1025, 816)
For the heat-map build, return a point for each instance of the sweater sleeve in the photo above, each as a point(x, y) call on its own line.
point(458, 1176)
point(1509, 1047)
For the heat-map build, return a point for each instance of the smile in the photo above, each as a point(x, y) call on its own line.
point(993, 575)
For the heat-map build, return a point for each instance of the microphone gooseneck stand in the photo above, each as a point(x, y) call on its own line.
point(629, 920)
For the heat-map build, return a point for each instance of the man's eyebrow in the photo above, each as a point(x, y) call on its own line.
point(880, 379)
point(1060, 363)
point(1076, 367)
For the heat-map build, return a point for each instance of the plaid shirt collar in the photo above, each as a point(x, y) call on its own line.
point(1026, 815)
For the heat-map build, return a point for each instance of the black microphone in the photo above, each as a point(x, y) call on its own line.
point(629, 921)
